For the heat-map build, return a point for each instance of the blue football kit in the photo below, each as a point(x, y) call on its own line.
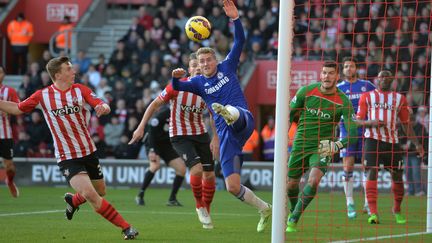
point(354, 91)
point(224, 88)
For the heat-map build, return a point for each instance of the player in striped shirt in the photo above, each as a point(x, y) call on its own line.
point(380, 111)
point(190, 139)
point(6, 141)
point(353, 88)
point(219, 87)
point(317, 109)
point(65, 108)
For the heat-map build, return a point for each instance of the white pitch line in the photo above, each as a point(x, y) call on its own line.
point(380, 237)
point(30, 213)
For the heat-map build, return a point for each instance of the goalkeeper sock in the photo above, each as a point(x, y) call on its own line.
point(110, 213)
point(306, 197)
point(348, 186)
point(247, 196)
point(372, 195)
point(196, 184)
point(398, 191)
point(148, 177)
point(208, 191)
point(293, 195)
point(78, 199)
point(178, 180)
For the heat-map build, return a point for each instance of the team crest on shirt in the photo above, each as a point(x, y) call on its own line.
point(363, 89)
point(220, 75)
point(75, 101)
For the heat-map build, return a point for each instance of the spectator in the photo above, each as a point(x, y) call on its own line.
point(46, 56)
point(412, 161)
point(20, 33)
point(64, 38)
point(94, 76)
point(23, 147)
point(38, 131)
point(249, 148)
point(144, 18)
point(268, 136)
point(83, 61)
point(113, 131)
point(100, 146)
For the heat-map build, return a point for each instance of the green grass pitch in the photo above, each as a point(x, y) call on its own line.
point(37, 216)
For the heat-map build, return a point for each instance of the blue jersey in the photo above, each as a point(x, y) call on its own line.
point(223, 88)
point(354, 91)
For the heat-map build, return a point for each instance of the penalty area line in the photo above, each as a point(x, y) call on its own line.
point(30, 213)
point(380, 237)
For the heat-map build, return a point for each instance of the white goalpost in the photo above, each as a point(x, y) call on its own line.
point(429, 178)
point(286, 27)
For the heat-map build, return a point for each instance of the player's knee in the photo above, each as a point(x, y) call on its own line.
point(208, 175)
point(313, 181)
point(233, 189)
point(347, 175)
point(154, 166)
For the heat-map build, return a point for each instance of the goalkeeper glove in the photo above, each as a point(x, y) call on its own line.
point(328, 147)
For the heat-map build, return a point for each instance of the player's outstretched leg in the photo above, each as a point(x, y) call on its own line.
point(264, 218)
point(348, 188)
point(228, 112)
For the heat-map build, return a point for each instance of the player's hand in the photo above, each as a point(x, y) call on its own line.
point(420, 150)
point(178, 73)
point(102, 109)
point(214, 147)
point(230, 9)
point(137, 135)
point(328, 147)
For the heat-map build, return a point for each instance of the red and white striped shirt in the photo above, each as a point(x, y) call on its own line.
point(67, 115)
point(7, 94)
point(186, 112)
point(385, 107)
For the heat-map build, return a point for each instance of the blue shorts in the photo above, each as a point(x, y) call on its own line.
point(231, 145)
point(354, 150)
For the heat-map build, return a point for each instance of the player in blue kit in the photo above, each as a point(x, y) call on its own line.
point(219, 86)
point(353, 88)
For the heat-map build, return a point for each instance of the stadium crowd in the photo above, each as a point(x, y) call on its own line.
point(396, 36)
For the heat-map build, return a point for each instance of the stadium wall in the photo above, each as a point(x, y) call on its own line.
point(130, 173)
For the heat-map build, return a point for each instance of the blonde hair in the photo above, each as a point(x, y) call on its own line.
point(206, 50)
point(54, 66)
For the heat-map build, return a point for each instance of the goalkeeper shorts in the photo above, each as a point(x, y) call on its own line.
point(300, 161)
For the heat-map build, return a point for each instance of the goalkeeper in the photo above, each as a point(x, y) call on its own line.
point(317, 108)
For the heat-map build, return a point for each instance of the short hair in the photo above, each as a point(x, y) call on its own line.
point(206, 50)
point(54, 65)
point(386, 73)
point(193, 56)
point(349, 59)
point(331, 64)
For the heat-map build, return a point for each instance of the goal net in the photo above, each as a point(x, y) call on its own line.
point(393, 35)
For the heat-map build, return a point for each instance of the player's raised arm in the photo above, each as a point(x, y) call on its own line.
point(189, 86)
point(139, 132)
point(239, 36)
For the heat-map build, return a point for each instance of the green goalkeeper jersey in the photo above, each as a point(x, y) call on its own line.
point(318, 115)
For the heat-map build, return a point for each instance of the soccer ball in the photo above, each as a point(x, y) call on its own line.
point(198, 28)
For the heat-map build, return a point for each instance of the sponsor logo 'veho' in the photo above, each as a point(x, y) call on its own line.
point(66, 110)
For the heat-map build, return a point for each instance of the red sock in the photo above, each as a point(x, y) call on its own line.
point(196, 184)
point(111, 214)
point(10, 175)
point(209, 188)
point(372, 195)
point(398, 191)
point(77, 199)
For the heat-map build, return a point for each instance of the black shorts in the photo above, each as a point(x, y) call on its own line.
point(377, 153)
point(165, 150)
point(88, 164)
point(194, 149)
point(6, 148)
